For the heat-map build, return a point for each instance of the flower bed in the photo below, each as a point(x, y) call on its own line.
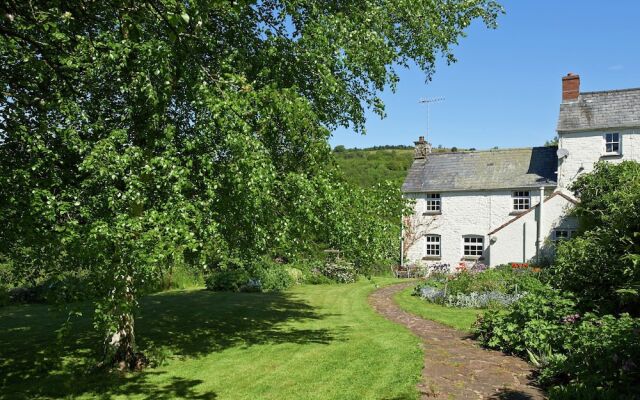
point(478, 287)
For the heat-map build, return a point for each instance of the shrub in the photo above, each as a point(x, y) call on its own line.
point(598, 352)
point(228, 280)
point(339, 271)
point(274, 278)
point(533, 323)
point(602, 265)
point(4, 295)
point(571, 350)
point(296, 275)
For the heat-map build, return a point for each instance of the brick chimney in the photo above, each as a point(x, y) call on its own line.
point(422, 148)
point(570, 87)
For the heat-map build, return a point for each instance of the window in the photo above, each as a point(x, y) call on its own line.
point(473, 246)
point(612, 143)
point(433, 245)
point(433, 202)
point(521, 201)
point(563, 234)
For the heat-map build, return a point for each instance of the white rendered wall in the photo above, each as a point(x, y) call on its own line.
point(587, 148)
point(516, 242)
point(463, 213)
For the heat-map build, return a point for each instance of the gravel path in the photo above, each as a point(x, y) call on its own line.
point(454, 366)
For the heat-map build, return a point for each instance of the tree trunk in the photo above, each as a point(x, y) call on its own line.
point(120, 346)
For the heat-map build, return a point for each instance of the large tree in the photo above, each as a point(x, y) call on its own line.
point(138, 134)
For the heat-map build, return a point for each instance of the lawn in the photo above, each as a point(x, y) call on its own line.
point(312, 342)
point(458, 318)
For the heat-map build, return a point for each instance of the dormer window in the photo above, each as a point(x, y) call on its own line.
point(612, 143)
point(433, 203)
point(521, 200)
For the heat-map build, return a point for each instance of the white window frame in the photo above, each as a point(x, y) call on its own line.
point(472, 246)
point(612, 139)
point(521, 200)
point(433, 246)
point(433, 203)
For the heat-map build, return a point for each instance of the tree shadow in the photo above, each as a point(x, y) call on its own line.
point(510, 394)
point(186, 324)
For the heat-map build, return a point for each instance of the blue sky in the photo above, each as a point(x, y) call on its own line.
point(505, 89)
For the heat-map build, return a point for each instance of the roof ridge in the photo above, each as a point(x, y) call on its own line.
point(611, 91)
point(487, 150)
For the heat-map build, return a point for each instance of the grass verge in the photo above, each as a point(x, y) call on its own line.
point(312, 342)
point(458, 318)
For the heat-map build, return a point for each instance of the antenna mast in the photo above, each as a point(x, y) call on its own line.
point(428, 102)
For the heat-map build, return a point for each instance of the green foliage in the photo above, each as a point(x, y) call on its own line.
point(274, 277)
point(135, 138)
point(502, 279)
point(362, 223)
point(598, 352)
point(367, 168)
point(228, 280)
point(532, 323)
point(340, 271)
point(573, 352)
point(602, 265)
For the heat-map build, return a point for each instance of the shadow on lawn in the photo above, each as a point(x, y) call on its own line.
point(186, 324)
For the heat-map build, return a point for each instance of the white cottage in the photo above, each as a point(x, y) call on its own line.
point(486, 205)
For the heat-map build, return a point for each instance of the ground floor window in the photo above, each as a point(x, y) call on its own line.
point(473, 246)
point(433, 245)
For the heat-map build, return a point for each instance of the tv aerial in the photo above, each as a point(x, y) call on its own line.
point(428, 102)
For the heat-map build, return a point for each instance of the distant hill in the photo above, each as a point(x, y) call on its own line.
point(367, 167)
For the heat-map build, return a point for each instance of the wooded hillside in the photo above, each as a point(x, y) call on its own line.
point(369, 166)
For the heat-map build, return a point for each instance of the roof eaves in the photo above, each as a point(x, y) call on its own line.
point(441, 190)
point(597, 128)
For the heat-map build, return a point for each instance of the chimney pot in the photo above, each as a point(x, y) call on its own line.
point(570, 87)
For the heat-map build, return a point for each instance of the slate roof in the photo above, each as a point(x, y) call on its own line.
point(601, 110)
point(481, 170)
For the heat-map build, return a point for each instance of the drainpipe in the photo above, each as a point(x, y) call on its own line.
point(524, 242)
point(540, 225)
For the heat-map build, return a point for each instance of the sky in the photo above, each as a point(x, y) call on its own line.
point(505, 89)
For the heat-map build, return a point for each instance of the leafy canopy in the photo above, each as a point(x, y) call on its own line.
point(135, 135)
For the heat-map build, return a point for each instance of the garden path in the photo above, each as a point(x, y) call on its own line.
point(454, 366)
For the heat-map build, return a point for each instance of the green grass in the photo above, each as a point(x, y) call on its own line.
point(312, 342)
point(458, 318)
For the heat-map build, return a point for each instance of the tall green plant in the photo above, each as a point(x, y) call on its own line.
point(602, 265)
point(134, 135)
